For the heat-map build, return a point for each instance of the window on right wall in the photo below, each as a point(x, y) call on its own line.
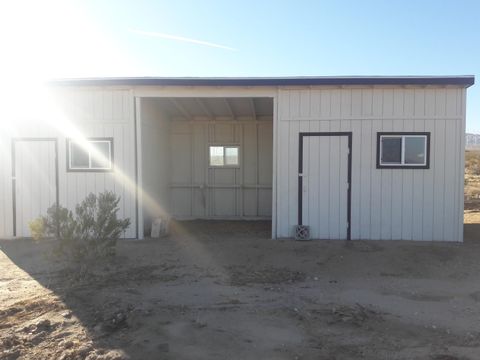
point(402, 150)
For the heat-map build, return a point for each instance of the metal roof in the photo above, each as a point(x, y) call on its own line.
point(463, 80)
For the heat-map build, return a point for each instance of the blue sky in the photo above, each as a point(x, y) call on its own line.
point(248, 38)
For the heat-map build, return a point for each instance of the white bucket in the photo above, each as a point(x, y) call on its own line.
point(160, 227)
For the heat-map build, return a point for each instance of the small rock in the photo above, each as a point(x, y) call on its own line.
point(43, 325)
point(116, 322)
point(27, 329)
point(12, 354)
point(67, 344)
point(84, 350)
point(67, 314)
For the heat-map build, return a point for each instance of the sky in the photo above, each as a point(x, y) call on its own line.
point(98, 38)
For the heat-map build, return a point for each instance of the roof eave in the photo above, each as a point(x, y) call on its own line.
point(464, 81)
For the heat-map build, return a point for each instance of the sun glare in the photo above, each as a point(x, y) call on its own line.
point(54, 39)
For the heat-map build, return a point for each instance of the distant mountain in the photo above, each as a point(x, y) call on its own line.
point(472, 140)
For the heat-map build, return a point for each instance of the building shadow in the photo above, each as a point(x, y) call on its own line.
point(471, 233)
point(91, 316)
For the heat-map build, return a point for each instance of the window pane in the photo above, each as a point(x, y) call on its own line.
point(231, 155)
point(216, 155)
point(391, 150)
point(415, 150)
point(78, 156)
point(100, 155)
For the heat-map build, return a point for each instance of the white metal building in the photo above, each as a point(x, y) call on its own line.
point(351, 157)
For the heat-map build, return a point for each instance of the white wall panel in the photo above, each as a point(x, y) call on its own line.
point(386, 204)
point(201, 191)
point(35, 184)
point(102, 113)
point(99, 112)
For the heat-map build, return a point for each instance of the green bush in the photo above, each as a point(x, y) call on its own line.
point(89, 234)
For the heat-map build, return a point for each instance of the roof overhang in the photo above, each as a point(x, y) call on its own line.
point(463, 81)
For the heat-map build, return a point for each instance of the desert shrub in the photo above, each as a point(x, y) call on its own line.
point(472, 162)
point(88, 235)
point(475, 169)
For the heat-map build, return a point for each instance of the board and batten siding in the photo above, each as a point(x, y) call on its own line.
point(103, 112)
point(90, 112)
point(201, 191)
point(387, 204)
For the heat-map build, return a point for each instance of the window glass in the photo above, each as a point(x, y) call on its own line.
point(96, 155)
point(403, 150)
point(391, 150)
point(79, 158)
point(224, 155)
point(100, 157)
point(415, 150)
point(231, 156)
point(216, 156)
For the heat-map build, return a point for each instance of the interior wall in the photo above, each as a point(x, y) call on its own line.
point(200, 191)
point(155, 160)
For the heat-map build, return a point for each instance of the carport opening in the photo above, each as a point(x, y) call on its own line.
point(206, 158)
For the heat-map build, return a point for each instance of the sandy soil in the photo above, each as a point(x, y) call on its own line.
point(223, 290)
point(472, 212)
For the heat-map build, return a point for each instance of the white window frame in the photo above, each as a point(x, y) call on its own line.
point(90, 168)
point(402, 163)
point(225, 165)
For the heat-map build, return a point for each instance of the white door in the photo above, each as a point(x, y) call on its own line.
point(325, 185)
point(35, 181)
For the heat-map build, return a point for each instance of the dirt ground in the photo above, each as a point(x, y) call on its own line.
point(472, 212)
point(224, 290)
